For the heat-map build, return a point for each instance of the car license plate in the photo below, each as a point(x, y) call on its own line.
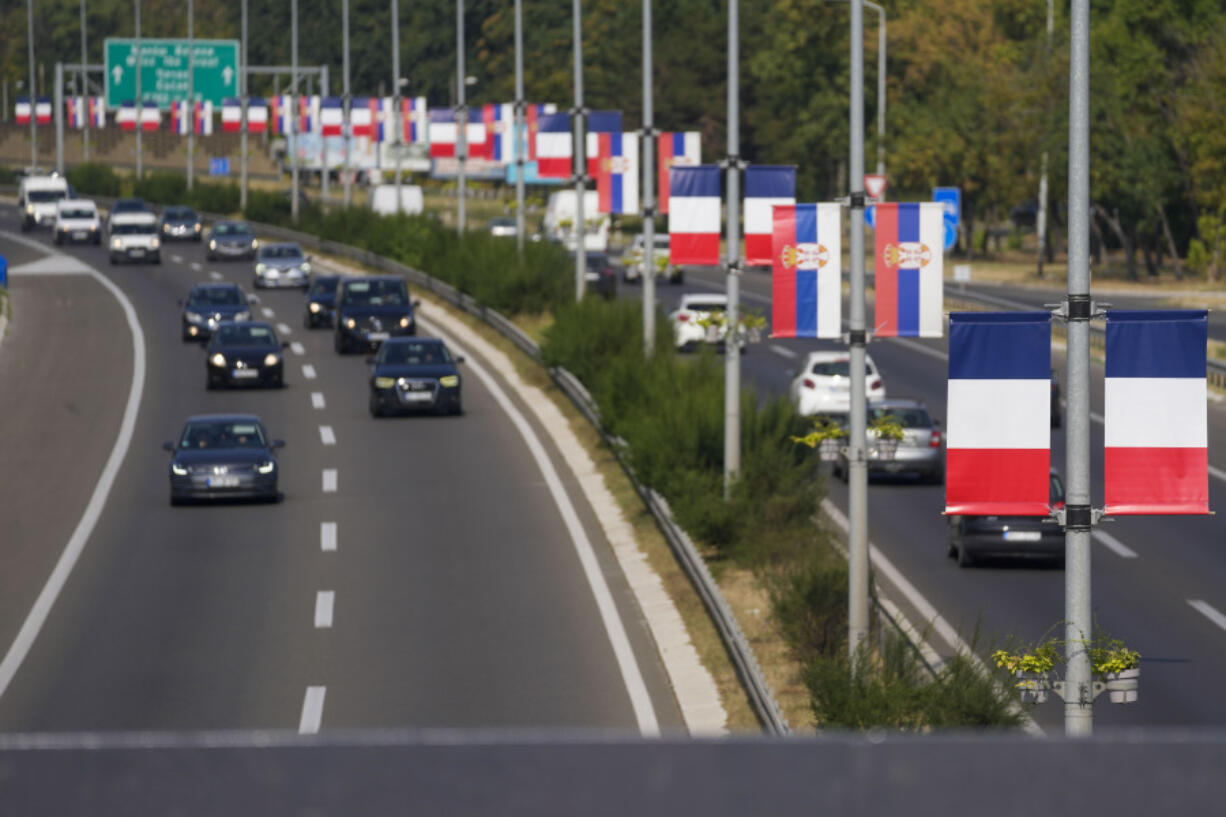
point(137, 251)
point(78, 235)
point(378, 336)
point(227, 481)
point(1023, 535)
point(418, 396)
point(244, 374)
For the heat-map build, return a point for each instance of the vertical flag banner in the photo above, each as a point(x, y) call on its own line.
point(97, 112)
point(693, 222)
point(909, 268)
point(150, 116)
point(361, 116)
point(386, 123)
point(617, 179)
point(126, 117)
point(257, 115)
point(332, 116)
point(499, 129)
point(532, 116)
point(680, 149)
point(417, 129)
point(204, 117)
point(442, 133)
point(596, 123)
point(1155, 425)
point(477, 139)
point(22, 110)
point(231, 115)
point(765, 186)
point(42, 110)
point(806, 271)
point(554, 146)
point(998, 448)
point(308, 113)
point(283, 113)
point(178, 117)
point(75, 109)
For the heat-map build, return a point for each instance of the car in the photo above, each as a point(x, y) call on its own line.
point(1057, 415)
point(134, 237)
point(210, 304)
point(281, 265)
point(77, 220)
point(181, 223)
point(920, 453)
point(244, 354)
point(130, 205)
point(698, 319)
point(633, 257)
point(599, 274)
point(823, 385)
point(223, 456)
point(503, 227)
point(321, 301)
point(232, 240)
point(371, 309)
point(38, 198)
point(974, 537)
point(414, 374)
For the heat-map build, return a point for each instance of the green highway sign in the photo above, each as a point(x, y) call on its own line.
point(163, 76)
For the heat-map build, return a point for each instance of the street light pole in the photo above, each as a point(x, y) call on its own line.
point(242, 89)
point(1041, 217)
point(880, 86)
point(33, 87)
point(396, 113)
point(140, 105)
point(84, 89)
point(293, 127)
point(347, 103)
point(580, 160)
point(732, 349)
point(520, 135)
point(649, 203)
point(191, 93)
point(461, 120)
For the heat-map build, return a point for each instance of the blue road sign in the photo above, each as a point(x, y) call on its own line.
point(4, 271)
point(219, 166)
point(870, 215)
point(951, 200)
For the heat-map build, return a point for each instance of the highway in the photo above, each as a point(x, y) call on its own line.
point(1159, 583)
point(418, 573)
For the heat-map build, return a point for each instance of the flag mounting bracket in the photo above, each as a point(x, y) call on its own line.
point(732, 161)
point(575, 111)
point(1078, 517)
point(1078, 308)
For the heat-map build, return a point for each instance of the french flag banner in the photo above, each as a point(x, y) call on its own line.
point(693, 222)
point(22, 110)
point(1155, 426)
point(765, 186)
point(442, 133)
point(532, 119)
point(332, 116)
point(204, 118)
point(998, 449)
point(499, 122)
point(97, 111)
point(257, 115)
point(477, 142)
point(806, 271)
point(681, 149)
point(909, 267)
point(178, 117)
point(126, 116)
point(617, 179)
point(554, 146)
point(362, 111)
point(596, 123)
point(42, 110)
point(231, 115)
point(150, 116)
point(75, 113)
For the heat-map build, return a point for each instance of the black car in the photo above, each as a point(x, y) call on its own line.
point(600, 275)
point(321, 301)
point(244, 354)
point(371, 310)
point(207, 305)
point(223, 456)
point(181, 223)
point(414, 374)
point(232, 240)
point(972, 537)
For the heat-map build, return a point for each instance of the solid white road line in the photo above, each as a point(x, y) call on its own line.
point(317, 399)
point(215, 275)
point(324, 602)
point(783, 351)
point(327, 536)
point(326, 435)
point(178, 259)
point(38, 614)
point(308, 371)
point(632, 676)
point(196, 266)
point(1208, 611)
point(297, 348)
point(266, 312)
point(312, 710)
point(329, 480)
point(1113, 544)
point(284, 329)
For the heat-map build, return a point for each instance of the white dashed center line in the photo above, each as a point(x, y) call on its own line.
point(312, 710)
point(1208, 611)
point(266, 312)
point(215, 275)
point(317, 399)
point(178, 259)
point(782, 351)
point(297, 348)
point(196, 266)
point(326, 435)
point(284, 329)
point(329, 480)
point(327, 536)
point(1111, 543)
point(308, 371)
point(324, 601)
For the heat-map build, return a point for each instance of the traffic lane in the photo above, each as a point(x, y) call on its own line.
point(15, 253)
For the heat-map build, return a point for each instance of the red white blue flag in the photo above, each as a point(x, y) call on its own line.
point(680, 149)
point(257, 115)
point(554, 146)
point(617, 179)
point(126, 116)
point(909, 269)
point(97, 111)
point(150, 116)
point(442, 133)
point(178, 117)
point(532, 115)
point(42, 110)
point(231, 115)
point(23, 110)
point(1155, 425)
point(283, 113)
point(693, 221)
point(204, 117)
point(499, 121)
point(596, 123)
point(417, 121)
point(765, 186)
point(332, 116)
point(806, 271)
point(362, 111)
point(998, 451)
point(75, 108)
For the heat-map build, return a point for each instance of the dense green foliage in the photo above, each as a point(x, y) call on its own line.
point(94, 179)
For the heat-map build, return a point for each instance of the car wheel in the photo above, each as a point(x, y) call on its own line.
point(964, 555)
point(176, 500)
point(339, 344)
point(58, 239)
point(157, 259)
point(376, 407)
point(209, 382)
point(952, 551)
point(307, 323)
point(113, 261)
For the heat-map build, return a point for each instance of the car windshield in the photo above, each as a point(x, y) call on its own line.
point(180, 214)
point(706, 306)
point(836, 368)
point(280, 251)
point(246, 334)
point(46, 195)
point(222, 434)
point(230, 228)
point(905, 417)
point(414, 353)
point(597, 259)
point(324, 286)
point(76, 212)
point(134, 229)
point(374, 293)
point(129, 206)
point(216, 296)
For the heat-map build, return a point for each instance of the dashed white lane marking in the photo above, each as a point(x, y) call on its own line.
point(1111, 543)
point(178, 259)
point(312, 710)
point(215, 275)
point(327, 536)
point(329, 480)
point(196, 266)
point(324, 602)
point(327, 436)
point(317, 399)
point(1217, 473)
point(297, 348)
point(308, 371)
point(1208, 611)
point(266, 312)
point(284, 329)
point(783, 351)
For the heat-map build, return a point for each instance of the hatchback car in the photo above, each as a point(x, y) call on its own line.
point(181, 223)
point(823, 386)
point(600, 275)
point(223, 456)
point(973, 537)
point(920, 453)
point(414, 374)
point(232, 240)
point(698, 319)
point(244, 354)
point(281, 265)
point(321, 301)
point(134, 237)
point(503, 227)
point(370, 310)
point(125, 206)
point(77, 220)
point(207, 305)
point(633, 259)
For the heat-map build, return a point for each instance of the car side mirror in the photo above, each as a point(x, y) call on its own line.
point(416, 302)
point(285, 344)
point(179, 302)
point(168, 446)
point(936, 423)
point(253, 299)
point(370, 361)
point(459, 359)
point(278, 443)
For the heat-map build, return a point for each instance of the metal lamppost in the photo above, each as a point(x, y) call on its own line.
point(347, 102)
point(293, 128)
point(880, 84)
point(649, 201)
point(84, 89)
point(1041, 216)
point(33, 95)
point(520, 135)
point(580, 159)
point(732, 264)
point(191, 93)
point(140, 105)
point(396, 114)
point(242, 89)
point(461, 120)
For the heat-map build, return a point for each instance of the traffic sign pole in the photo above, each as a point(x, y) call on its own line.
point(461, 119)
point(732, 349)
point(33, 95)
point(140, 110)
point(648, 261)
point(191, 94)
point(580, 158)
point(520, 140)
point(293, 114)
point(348, 105)
point(84, 90)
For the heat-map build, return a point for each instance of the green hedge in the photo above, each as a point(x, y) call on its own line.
point(94, 179)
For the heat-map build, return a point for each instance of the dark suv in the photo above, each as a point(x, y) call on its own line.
point(370, 310)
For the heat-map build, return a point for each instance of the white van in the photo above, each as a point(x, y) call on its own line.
point(37, 197)
point(558, 224)
point(383, 199)
point(134, 237)
point(77, 220)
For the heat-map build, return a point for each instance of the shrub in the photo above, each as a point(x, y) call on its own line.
point(94, 179)
point(216, 198)
point(267, 207)
point(161, 187)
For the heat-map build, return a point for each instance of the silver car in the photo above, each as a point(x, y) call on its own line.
point(281, 265)
point(920, 453)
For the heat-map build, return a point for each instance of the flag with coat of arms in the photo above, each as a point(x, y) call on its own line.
point(806, 271)
point(617, 177)
point(909, 264)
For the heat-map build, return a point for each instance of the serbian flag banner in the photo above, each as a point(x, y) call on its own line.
point(42, 110)
point(1155, 427)
point(257, 115)
point(126, 117)
point(554, 146)
point(75, 106)
point(617, 180)
point(362, 116)
point(150, 116)
point(998, 450)
point(681, 149)
point(178, 117)
point(204, 118)
point(23, 111)
point(499, 123)
point(693, 223)
point(417, 122)
point(385, 124)
point(909, 268)
point(97, 112)
point(806, 271)
point(532, 117)
point(231, 115)
point(596, 123)
point(332, 116)
point(442, 133)
point(283, 114)
point(765, 186)
point(308, 113)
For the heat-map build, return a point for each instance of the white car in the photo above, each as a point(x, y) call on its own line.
point(77, 220)
point(38, 196)
point(823, 386)
point(699, 319)
point(134, 237)
point(632, 260)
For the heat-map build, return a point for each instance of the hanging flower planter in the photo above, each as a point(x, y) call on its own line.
point(828, 450)
point(1034, 687)
point(1123, 686)
point(886, 448)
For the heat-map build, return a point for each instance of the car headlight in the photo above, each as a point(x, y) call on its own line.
point(266, 467)
point(178, 470)
point(155, 243)
point(384, 382)
point(218, 360)
point(261, 267)
point(165, 228)
point(405, 321)
point(350, 323)
point(196, 226)
point(212, 243)
point(449, 381)
point(272, 359)
point(93, 228)
point(30, 209)
point(305, 266)
point(242, 316)
point(193, 317)
point(255, 243)
point(314, 307)
point(116, 244)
